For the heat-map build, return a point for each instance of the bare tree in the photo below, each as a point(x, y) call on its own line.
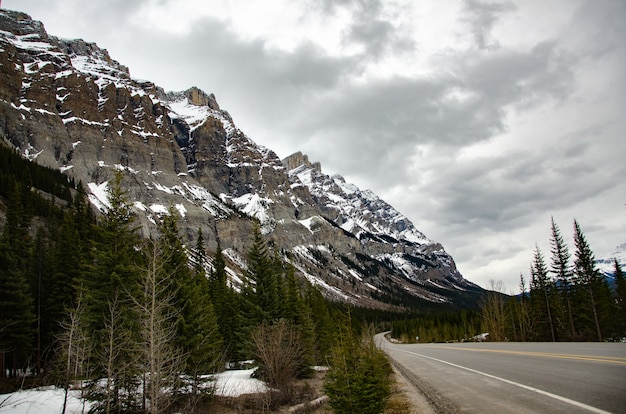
point(280, 351)
point(162, 362)
point(111, 357)
point(74, 347)
point(494, 315)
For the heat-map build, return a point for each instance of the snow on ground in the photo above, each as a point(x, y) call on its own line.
point(46, 400)
point(43, 400)
point(238, 382)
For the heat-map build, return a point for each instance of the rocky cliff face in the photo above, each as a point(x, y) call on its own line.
point(68, 105)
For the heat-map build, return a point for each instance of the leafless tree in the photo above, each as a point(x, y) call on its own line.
point(493, 312)
point(74, 347)
point(280, 351)
point(162, 362)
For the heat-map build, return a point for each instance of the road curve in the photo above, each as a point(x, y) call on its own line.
point(514, 377)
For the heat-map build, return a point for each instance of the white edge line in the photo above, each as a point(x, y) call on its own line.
point(517, 384)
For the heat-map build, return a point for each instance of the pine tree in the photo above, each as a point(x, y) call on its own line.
point(562, 272)
point(197, 334)
point(262, 272)
point(226, 304)
point(17, 316)
point(357, 381)
point(541, 294)
point(620, 298)
point(110, 278)
point(590, 280)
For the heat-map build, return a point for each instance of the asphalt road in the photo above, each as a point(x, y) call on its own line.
point(517, 377)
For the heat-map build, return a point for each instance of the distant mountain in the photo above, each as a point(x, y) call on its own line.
point(607, 264)
point(68, 105)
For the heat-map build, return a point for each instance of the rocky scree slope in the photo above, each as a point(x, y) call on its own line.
point(66, 104)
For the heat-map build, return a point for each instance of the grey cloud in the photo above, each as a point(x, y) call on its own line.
point(481, 17)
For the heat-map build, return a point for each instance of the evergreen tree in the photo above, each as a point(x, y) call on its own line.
point(561, 269)
point(589, 279)
point(357, 381)
point(541, 295)
point(620, 298)
point(198, 334)
point(323, 326)
point(17, 314)
point(226, 304)
point(262, 272)
point(111, 278)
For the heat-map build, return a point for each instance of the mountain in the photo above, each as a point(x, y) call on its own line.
point(68, 105)
point(607, 264)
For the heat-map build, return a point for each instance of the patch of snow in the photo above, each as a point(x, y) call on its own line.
point(238, 382)
point(43, 400)
point(159, 209)
point(181, 210)
point(99, 196)
point(254, 205)
point(140, 206)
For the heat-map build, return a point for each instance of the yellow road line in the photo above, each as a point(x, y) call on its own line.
point(607, 359)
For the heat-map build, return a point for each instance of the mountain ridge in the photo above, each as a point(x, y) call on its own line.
point(67, 104)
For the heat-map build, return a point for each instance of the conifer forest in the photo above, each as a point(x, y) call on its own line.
point(139, 323)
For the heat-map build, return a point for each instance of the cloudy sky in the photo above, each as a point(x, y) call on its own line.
point(479, 120)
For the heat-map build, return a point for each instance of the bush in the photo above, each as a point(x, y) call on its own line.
point(358, 379)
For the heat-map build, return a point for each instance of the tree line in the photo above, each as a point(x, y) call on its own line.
point(138, 324)
point(566, 299)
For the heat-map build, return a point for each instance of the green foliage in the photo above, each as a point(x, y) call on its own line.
point(358, 379)
point(17, 315)
point(576, 303)
point(438, 327)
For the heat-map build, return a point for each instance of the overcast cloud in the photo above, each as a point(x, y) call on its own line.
point(478, 120)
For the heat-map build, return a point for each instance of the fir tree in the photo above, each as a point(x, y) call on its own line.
point(17, 316)
point(541, 294)
point(561, 269)
point(589, 279)
point(111, 278)
point(357, 381)
point(226, 304)
point(620, 298)
point(262, 272)
point(198, 333)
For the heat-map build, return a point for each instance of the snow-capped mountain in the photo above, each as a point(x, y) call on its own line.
point(66, 104)
point(607, 264)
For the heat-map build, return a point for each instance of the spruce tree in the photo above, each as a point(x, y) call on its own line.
point(17, 314)
point(262, 272)
point(620, 298)
point(226, 304)
point(111, 277)
point(198, 334)
point(562, 271)
point(358, 379)
point(541, 295)
point(589, 279)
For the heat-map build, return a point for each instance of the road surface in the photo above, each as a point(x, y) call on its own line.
point(517, 377)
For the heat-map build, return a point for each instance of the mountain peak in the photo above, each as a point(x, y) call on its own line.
point(300, 160)
point(200, 98)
